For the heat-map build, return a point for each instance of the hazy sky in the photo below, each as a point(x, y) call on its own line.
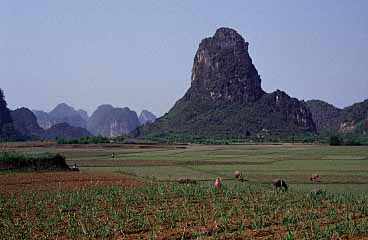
point(140, 53)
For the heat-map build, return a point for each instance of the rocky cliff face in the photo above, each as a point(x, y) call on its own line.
point(106, 120)
point(354, 119)
point(146, 117)
point(7, 131)
point(83, 114)
point(223, 70)
point(109, 121)
point(325, 115)
point(25, 122)
point(328, 118)
point(226, 99)
point(62, 113)
point(43, 119)
point(21, 124)
point(63, 130)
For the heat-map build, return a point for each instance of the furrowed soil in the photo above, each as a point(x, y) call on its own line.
point(172, 211)
point(62, 181)
point(129, 192)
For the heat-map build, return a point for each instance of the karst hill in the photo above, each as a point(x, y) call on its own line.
point(226, 97)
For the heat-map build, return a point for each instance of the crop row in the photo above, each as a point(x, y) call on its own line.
point(188, 211)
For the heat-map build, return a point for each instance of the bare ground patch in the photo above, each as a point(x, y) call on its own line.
point(64, 181)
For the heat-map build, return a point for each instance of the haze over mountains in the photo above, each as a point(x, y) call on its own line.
point(26, 126)
point(112, 122)
point(225, 99)
point(25, 122)
point(106, 120)
point(62, 113)
point(146, 117)
point(330, 119)
point(64, 121)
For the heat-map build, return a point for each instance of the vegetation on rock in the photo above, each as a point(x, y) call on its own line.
point(226, 98)
point(332, 120)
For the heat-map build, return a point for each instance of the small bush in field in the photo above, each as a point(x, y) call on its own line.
point(335, 141)
point(40, 161)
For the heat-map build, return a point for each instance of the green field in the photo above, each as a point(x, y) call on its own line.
point(141, 200)
point(343, 168)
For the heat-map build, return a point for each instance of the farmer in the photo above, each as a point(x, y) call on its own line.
point(75, 168)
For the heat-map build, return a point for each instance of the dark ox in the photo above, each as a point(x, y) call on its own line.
point(186, 181)
point(280, 184)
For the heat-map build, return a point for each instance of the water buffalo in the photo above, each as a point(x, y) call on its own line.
point(280, 184)
point(186, 181)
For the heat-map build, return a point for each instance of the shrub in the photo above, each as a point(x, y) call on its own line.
point(352, 142)
point(40, 161)
point(335, 141)
point(83, 140)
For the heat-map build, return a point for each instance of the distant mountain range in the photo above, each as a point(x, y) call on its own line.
point(112, 122)
point(330, 119)
point(64, 121)
point(63, 130)
point(106, 120)
point(146, 117)
point(25, 122)
point(62, 113)
point(21, 124)
point(225, 99)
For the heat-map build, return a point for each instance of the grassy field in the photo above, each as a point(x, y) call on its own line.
point(145, 203)
point(341, 168)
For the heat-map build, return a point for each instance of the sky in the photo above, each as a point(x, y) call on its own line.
point(139, 54)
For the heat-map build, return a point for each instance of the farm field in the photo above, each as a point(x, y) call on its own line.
point(342, 168)
point(129, 192)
